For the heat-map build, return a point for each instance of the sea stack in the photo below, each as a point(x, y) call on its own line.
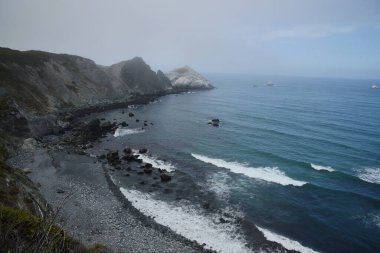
point(187, 78)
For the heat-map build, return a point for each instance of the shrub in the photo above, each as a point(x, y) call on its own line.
point(22, 232)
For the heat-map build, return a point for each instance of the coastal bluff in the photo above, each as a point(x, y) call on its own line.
point(42, 95)
point(35, 86)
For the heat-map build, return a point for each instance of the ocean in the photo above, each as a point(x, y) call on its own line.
point(294, 166)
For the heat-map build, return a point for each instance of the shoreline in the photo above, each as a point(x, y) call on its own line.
point(139, 100)
point(56, 179)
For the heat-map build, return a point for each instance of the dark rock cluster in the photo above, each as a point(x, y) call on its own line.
point(214, 122)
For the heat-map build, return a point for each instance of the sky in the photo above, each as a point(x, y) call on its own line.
point(321, 38)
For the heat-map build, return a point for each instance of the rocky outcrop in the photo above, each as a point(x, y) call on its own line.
point(187, 78)
point(37, 88)
point(40, 84)
point(138, 77)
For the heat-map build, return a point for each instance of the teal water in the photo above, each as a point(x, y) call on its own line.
point(300, 159)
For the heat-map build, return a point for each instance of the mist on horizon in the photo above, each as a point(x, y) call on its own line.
point(322, 38)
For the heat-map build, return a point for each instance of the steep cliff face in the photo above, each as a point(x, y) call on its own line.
point(187, 78)
point(138, 76)
point(44, 82)
point(38, 84)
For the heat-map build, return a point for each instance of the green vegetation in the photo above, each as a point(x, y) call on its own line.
point(23, 232)
point(31, 58)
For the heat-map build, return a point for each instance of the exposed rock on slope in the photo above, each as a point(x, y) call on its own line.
point(138, 77)
point(187, 78)
point(40, 84)
point(45, 82)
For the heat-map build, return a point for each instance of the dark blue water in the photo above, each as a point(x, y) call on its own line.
point(264, 158)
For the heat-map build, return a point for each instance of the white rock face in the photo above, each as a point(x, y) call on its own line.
point(186, 77)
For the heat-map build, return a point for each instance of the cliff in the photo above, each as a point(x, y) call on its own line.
point(39, 85)
point(39, 91)
point(45, 82)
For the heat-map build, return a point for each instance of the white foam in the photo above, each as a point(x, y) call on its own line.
point(270, 174)
point(371, 175)
point(157, 162)
point(124, 131)
point(187, 221)
point(319, 167)
point(217, 182)
point(376, 220)
point(369, 219)
point(285, 242)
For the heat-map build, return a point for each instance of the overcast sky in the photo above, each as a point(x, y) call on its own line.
point(336, 38)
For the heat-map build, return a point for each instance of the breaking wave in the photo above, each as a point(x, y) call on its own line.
point(157, 162)
point(319, 167)
point(189, 222)
point(270, 174)
point(285, 242)
point(371, 175)
point(124, 131)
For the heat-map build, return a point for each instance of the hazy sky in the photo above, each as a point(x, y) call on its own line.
point(337, 38)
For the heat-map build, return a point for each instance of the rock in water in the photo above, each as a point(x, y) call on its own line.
point(148, 170)
point(165, 177)
point(127, 150)
point(187, 78)
point(143, 150)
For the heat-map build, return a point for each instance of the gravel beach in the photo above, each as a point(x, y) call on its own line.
point(90, 207)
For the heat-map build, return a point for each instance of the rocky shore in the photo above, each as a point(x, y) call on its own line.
point(79, 185)
point(43, 99)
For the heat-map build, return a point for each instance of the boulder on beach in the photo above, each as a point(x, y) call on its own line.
point(60, 191)
point(124, 124)
point(131, 114)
